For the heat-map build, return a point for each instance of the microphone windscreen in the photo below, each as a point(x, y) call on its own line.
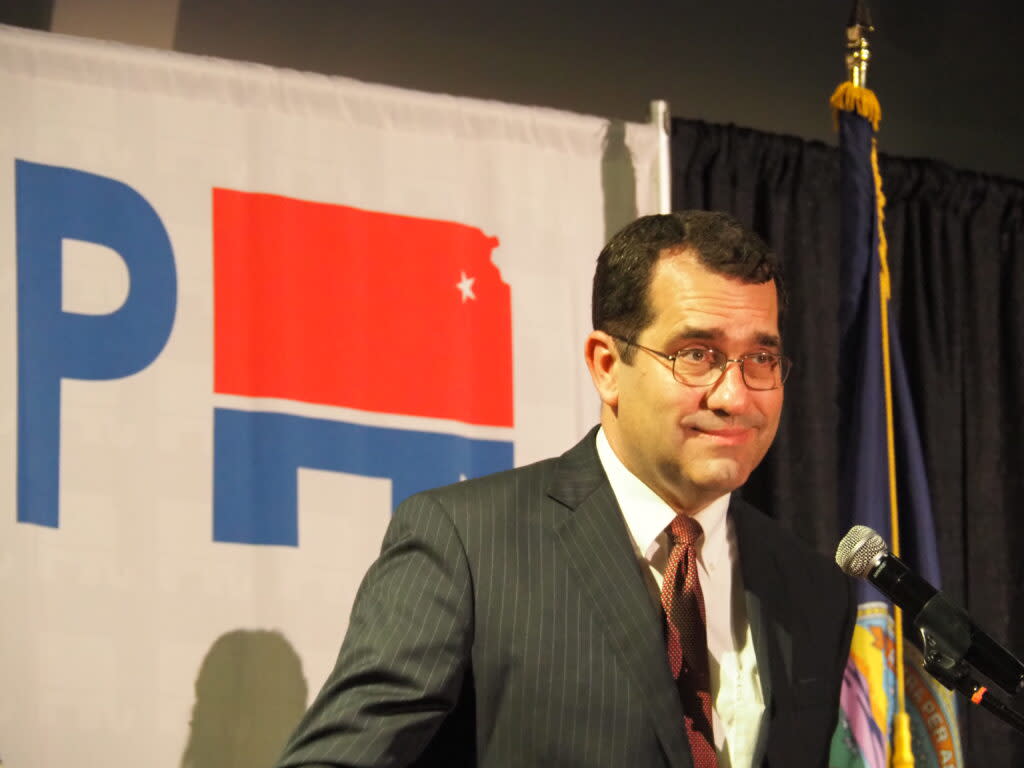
point(857, 552)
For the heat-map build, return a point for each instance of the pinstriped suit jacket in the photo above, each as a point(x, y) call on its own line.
point(507, 623)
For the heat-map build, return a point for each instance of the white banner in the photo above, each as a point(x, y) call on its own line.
point(245, 312)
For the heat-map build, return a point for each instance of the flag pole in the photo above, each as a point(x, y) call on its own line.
point(663, 173)
point(854, 96)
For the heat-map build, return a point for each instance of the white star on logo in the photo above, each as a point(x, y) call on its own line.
point(465, 285)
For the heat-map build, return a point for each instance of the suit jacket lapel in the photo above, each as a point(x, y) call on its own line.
point(768, 614)
point(597, 544)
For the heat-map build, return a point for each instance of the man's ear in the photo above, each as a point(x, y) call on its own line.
point(603, 361)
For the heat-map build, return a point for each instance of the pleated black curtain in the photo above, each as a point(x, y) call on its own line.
point(956, 253)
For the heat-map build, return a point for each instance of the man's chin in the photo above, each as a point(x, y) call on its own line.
point(720, 476)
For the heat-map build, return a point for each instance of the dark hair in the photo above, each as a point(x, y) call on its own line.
point(625, 266)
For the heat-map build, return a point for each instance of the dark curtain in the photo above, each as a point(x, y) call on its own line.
point(956, 253)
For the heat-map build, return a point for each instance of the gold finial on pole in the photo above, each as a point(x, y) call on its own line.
point(853, 94)
point(858, 50)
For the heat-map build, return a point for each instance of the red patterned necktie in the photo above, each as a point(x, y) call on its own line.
point(686, 638)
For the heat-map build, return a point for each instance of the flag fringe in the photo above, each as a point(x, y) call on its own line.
point(852, 98)
point(900, 751)
point(883, 243)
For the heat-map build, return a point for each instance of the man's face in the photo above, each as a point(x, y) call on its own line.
point(693, 444)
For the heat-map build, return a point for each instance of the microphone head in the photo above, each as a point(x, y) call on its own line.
point(859, 550)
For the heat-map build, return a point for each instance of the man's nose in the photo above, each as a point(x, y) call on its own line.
point(730, 393)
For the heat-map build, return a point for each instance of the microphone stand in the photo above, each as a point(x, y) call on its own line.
point(946, 640)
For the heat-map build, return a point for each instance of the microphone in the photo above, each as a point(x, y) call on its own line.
point(948, 633)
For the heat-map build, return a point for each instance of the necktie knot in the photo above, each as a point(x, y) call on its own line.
point(685, 531)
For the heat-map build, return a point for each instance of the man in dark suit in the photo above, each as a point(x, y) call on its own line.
point(616, 605)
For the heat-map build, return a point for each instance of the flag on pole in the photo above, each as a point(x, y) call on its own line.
point(880, 445)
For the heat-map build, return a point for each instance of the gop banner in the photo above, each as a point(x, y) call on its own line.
point(247, 312)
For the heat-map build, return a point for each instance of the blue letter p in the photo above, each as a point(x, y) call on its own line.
point(54, 204)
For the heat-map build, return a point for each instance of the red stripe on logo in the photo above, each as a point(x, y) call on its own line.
point(334, 305)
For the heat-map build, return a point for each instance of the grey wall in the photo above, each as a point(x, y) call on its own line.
point(943, 70)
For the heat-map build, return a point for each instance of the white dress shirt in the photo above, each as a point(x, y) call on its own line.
point(737, 702)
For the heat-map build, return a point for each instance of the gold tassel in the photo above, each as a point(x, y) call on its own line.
point(852, 98)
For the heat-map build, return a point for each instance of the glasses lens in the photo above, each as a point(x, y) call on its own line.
point(765, 371)
point(697, 366)
point(703, 367)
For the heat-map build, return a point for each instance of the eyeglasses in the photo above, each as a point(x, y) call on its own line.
point(703, 367)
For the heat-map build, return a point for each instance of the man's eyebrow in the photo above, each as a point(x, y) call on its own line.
point(697, 333)
point(715, 334)
point(769, 340)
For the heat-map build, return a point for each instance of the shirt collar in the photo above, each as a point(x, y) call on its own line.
point(647, 515)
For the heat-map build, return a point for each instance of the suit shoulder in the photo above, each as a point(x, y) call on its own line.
point(529, 478)
point(578, 466)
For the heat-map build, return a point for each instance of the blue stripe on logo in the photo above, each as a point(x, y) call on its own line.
point(257, 456)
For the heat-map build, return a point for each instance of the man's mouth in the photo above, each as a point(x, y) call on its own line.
point(727, 435)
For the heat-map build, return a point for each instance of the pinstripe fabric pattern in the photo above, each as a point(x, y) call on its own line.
point(507, 623)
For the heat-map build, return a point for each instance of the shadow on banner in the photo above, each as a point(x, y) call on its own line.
point(250, 695)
